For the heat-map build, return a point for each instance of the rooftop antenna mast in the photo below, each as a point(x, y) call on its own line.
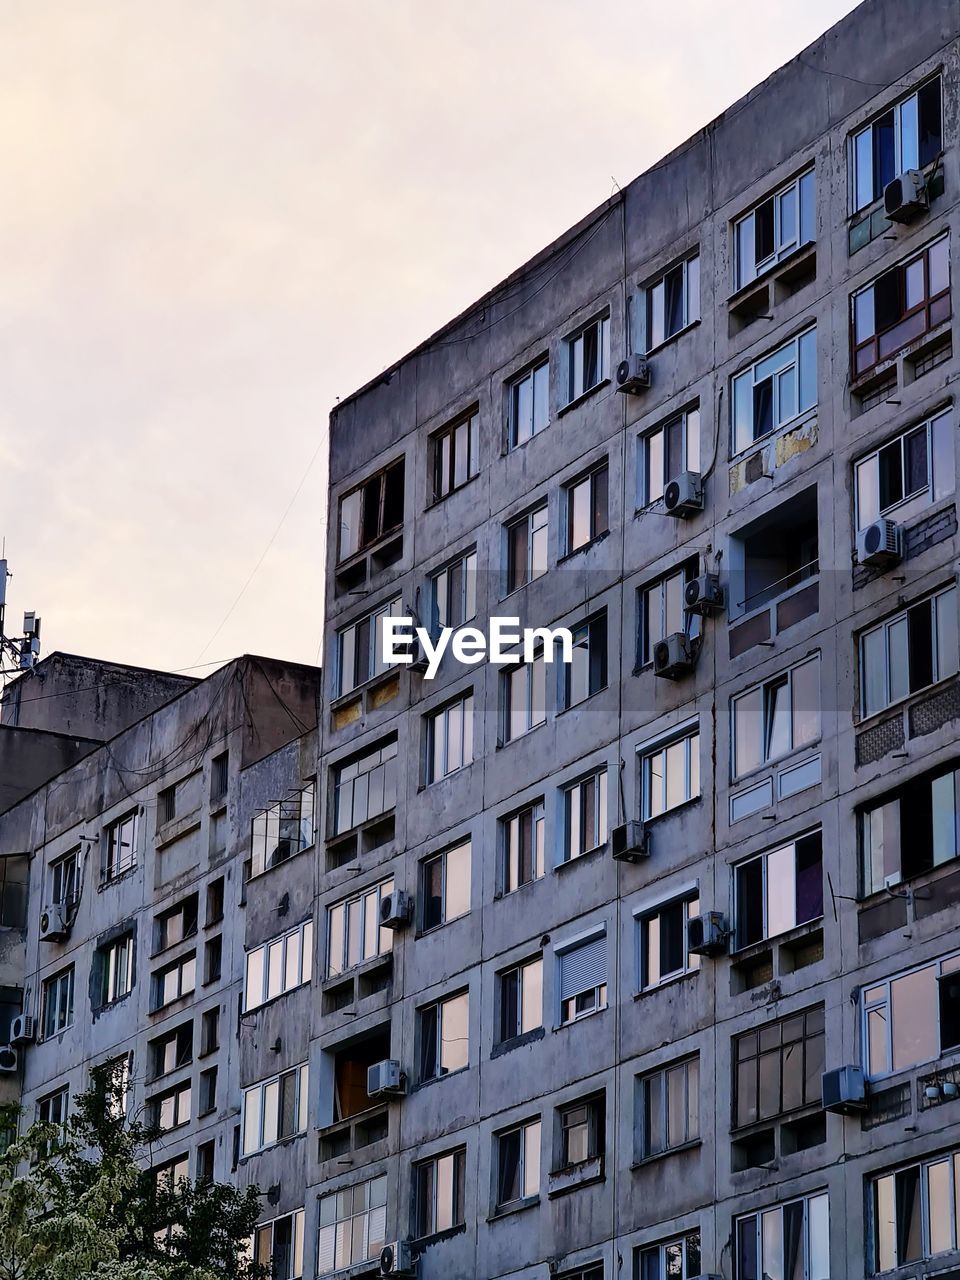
point(22, 652)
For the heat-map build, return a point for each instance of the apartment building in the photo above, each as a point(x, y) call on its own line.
point(599, 931)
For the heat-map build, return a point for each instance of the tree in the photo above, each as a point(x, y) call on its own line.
point(77, 1203)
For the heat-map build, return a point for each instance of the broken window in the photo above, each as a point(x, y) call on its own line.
point(360, 648)
point(670, 773)
point(370, 512)
point(453, 592)
point(526, 548)
point(520, 993)
point(677, 1259)
point(455, 453)
point(445, 886)
point(663, 942)
point(907, 473)
point(585, 814)
point(587, 357)
point(275, 1109)
point(912, 1017)
point(777, 717)
point(913, 1212)
point(582, 1131)
point(443, 1029)
point(440, 1192)
point(908, 135)
point(777, 1067)
point(790, 1240)
point(777, 226)
point(587, 673)
point(518, 1163)
point(352, 1225)
point(354, 932)
point(522, 848)
point(910, 830)
point(779, 889)
point(523, 694)
point(774, 390)
point(667, 451)
point(365, 787)
point(529, 403)
point(909, 651)
point(661, 611)
point(668, 1108)
point(775, 553)
point(901, 305)
point(586, 506)
point(449, 733)
point(583, 979)
point(671, 303)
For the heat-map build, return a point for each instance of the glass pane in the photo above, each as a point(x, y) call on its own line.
point(868, 482)
point(653, 466)
point(541, 379)
point(776, 720)
point(747, 731)
point(531, 990)
point(913, 1010)
point(676, 755)
point(938, 267)
point(877, 1061)
point(939, 1207)
point(884, 1227)
point(805, 681)
point(781, 891)
point(458, 882)
point(873, 673)
point(863, 168)
point(771, 1233)
point(941, 450)
point(909, 135)
point(947, 643)
point(808, 370)
point(453, 1033)
point(897, 659)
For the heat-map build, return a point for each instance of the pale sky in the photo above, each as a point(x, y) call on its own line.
point(220, 215)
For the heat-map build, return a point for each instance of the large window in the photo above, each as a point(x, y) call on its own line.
point(907, 473)
point(282, 831)
point(279, 965)
point(275, 1109)
point(354, 932)
point(449, 738)
point(774, 390)
point(585, 502)
point(522, 846)
point(777, 717)
point(587, 673)
point(912, 1212)
point(453, 592)
point(670, 774)
point(365, 787)
point(778, 1067)
point(775, 228)
point(278, 1246)
point(663, 941)
point(370, 512)
point(520, 999)
point(588, 354)
point(585, 814)
point(445, 886)
point(523, 697)
point(668, 1103)
point(901, 305)
point(661, 612)
point(518, 1163)
point(909, 135)
point(677, 1259)
point(912, 1017)
point(121, 846)
point(915, 648)
point(443, 1030)
point(779, 889)
point(529, 403)
point(57, 1002)
point(910, 830)
point(583, 978)
point(113, 966)
point(440, 1192)
point(526, 547)
point(667, 451)
point(353, 1225)
point(455, 454)
point(791, 1239)
point(672, 302)
point(360, 648)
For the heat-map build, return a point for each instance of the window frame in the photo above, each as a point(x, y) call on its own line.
point(757, 1217)
point(526, 521)
point(660, 750)
point(529, 1163)
point(921, 1205)
point(514, 389)
point(647, 462)
point(932, 491)
point(116, 963)
point(435, 1010)
point(444, 441)
point(591, 635)
point(654, 335)
point(537, 849)
point(60, 987)
point(462, 852)
point(383, 531)
point(768, 713)
point(860, 347)
point(181, 966)
point(115, 862)
point(295, 813)
point(649, 1099)
point(742, 440)
point(260, 1088)
point(466, 564)
point(575, 817)
point(884, 626)
point(593, 1109)
point(763, 858)
point(598, 506)
point(428, 1220)
point(895, 109)
point(574, 349)
point(782, 249)
point(888, 805)
point(382, 756)
point(374, 1230)
point(782, 1052)
point(345, 685)
point(688, 902)
point(568, 1010)
point(64, 877)
point(375, 893)
point(301, 938)
point(884, 1003)
point(268, 1230)
point(518, 973)
point(533, 678)
point(440, 717)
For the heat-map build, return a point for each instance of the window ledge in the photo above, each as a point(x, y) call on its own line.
point(672, 981)
point(435, 1237)
point(584, 395)
point(584, 1017)
point(434, 1080)
point(517, 1042)
point(793, 258)
point(515, 1206)
point(687, 328)
point(368, 686)
point(754, 949)
point(644, 1161)
point(561, 1182)
point(176, 828)
point(438, 501)
point(581, 857)
point(570, 555)
point(677, 808)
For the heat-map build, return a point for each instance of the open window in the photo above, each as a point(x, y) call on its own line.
point(775, 554)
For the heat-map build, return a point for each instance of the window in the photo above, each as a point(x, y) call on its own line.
point(791, 1239)
point(275, 1109)
point(213, 958)
point(171, 1109)
point(215, 901)
point(450, 738)
point(669, 1108)
point(901, 305)
point(171, 1050)
point(278, 965)
point(586, 507)
point(64, 879)
point(677, 1259)
point(663, 942)
point(176, 923)
point(660, 610)
point(526, 548)
point(667, 451)
point(440, 1192)
point(582, 1135)
point(219, 776)
point(57, 1003)
point(453, 592)
point(523, 698)
point(585, 815)
point(444, 1036)
point(166, 805)
point(360, 648)
point(775, 554)
point(114, 968)
point(208, 1091)
point(53, 1109)
point(907, 473)
point(371, 511)
point(912, 1017)
point(912, 1212)
point(670, 774)
point(455, 451)
point(587, 357)
point(672, 303)
point(909, 831)
point(587, 673)
point(111, 1081)
point(121, 850)
point(774, 390)
point(172, 1173)
point(593, 1271)
point(353, 1225)
point(206, 1158)
point(520, 996)
point(445, 886)
point(278, 1247)
point(174, 981)
point(282, 831)
point(529, 403)
point(775, 228)
point(583, 979)
point(354, 933)
point(779, 889)
point(365, 787)
point(915, 648)
point(209, 1031)
point(777, 717)
point(522, 842)
point(518, 1163)
point(778, 1067)
point(14, 883)
point(908, 135)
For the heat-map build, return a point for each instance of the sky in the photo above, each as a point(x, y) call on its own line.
point(218, 217)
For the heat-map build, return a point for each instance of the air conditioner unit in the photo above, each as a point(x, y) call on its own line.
point(906, 197)
point(844, 1090)
point(55, 922)
point(385, 1079)
point(23, 1029)
point(880, 544)
point(9, 1060)
point(674, 656)
point(707, 934)
point(630, 842)
point(397, 1259)
point(703, 594)
point(633, 375)
point(396, 910)
point(683, 495)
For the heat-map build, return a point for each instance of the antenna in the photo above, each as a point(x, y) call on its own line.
point(22, 653)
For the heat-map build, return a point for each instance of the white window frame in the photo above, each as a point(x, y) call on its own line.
point(691, 1087)
point(801, 188)
point(942, 669)
point(930, 1248)
point(121, 834)
point(646, 937)
point(786, 407)
point(438, 750)
point(342, 1231)
point(254, 1111)
point(512, 822)
point(938, 431)
point(882, 1004)
point(440, 587)
point(536, 521)
point(599, 991)
point(347, 650)
point(183, 966)
point(665, 752)
point(64, 878)
point(267, 828)
point(653, 460)
point(902, 161)
point(60, 988)
point(441, 1005)
point(529, 1167)
point(377, 758)
point(172, 1108)
point(767, 720)
point(358, 908)
point(116, 959)
point(820, 1199)
point(654, 326)
point(289, 956)
point(573, 350)
point(787, 854)
point(531, 680)
point(443, 453)
point(538, 378)
point(462, 855)
point(268, 1230)
point(572, 815)
point(587, 479)
point(520, 973)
